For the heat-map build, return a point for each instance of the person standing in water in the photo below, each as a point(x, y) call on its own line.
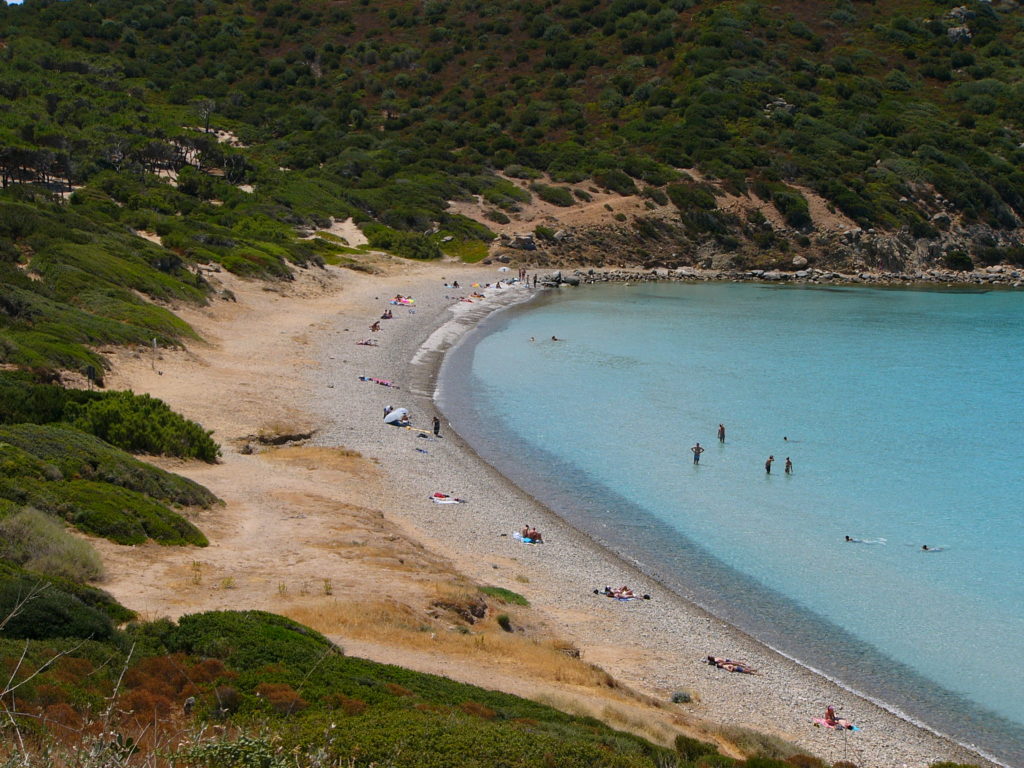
point(789, 466)
point(768, 464)
point(721, 433)
point(697, 451)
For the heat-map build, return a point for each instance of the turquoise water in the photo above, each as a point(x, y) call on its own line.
point(904, 413)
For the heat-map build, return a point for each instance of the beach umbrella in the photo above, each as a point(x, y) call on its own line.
point(504, 269)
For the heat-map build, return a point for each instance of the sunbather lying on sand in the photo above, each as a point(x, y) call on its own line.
point(531, 535)
point(382, 382)
point(622, 593)
point(444, 498)
point(831, 720)
point(368, 343)
point(731, 665)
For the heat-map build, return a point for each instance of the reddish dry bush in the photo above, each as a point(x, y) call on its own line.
point(346, 704)
point(478, 710)
point(282, 698)
point(62, 714)
point(71, 670)
point(399, 690)
point(46, 694)
point(142, 705)
point(208, 670)
point(163, 674)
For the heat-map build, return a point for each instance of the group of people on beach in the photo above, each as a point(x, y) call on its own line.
point(698, 449)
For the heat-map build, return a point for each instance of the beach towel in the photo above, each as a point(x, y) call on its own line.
point(519, 537)
point(447, 501)
point(821, 722)
point(382, 382)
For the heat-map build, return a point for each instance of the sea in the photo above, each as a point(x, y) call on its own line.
point(902, 412)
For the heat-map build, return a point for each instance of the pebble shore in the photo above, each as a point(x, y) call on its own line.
point(654, 646)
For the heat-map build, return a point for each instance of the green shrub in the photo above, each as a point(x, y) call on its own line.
point(505, 595)
point(37, 542)
point(691, 749)
point(125, 516)
point(504, 621)
point(142, 424)
point(248, 640)
point(655, 194)
point(958, 261)
point(76, 454)
point(616, 181)
point(561, 196)
point(691, 196)
point(496, 216)
point(51, 613)
point(409, 245)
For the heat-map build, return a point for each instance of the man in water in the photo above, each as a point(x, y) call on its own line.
point(789, 466)
point(697, 451)
point(768, 464)
point(721, 433)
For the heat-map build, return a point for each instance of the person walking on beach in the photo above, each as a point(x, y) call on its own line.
point(789, 466)
point(768, 464)
point(437, 427)
point(721, 433)
point(697, 451)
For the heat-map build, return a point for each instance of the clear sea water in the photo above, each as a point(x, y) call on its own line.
point(904, 413)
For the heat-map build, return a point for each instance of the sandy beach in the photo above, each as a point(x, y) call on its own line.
point(327, 518)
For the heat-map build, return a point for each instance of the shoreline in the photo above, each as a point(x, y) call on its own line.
point(418, 359)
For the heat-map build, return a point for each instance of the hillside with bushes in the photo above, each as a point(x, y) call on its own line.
point(253, 689)
point(144, 145)
point(904, 119)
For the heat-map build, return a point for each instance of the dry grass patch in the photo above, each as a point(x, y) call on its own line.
point(392, 623)
point(751, 743)
point(315, 457)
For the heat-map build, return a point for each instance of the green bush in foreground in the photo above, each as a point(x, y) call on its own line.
point(127, 517)
point(286, 696)
point(37, 608)
point(135, 423)
point(99, 489)
point(74, 454)
point(143, 424)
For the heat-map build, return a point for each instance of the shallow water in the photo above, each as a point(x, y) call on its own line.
point(903, 412)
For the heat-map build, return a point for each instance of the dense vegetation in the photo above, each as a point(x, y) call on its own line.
point(906, 117)
point(134, 423)
point(96, 487)
point(385, 110)
point(281, 695)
